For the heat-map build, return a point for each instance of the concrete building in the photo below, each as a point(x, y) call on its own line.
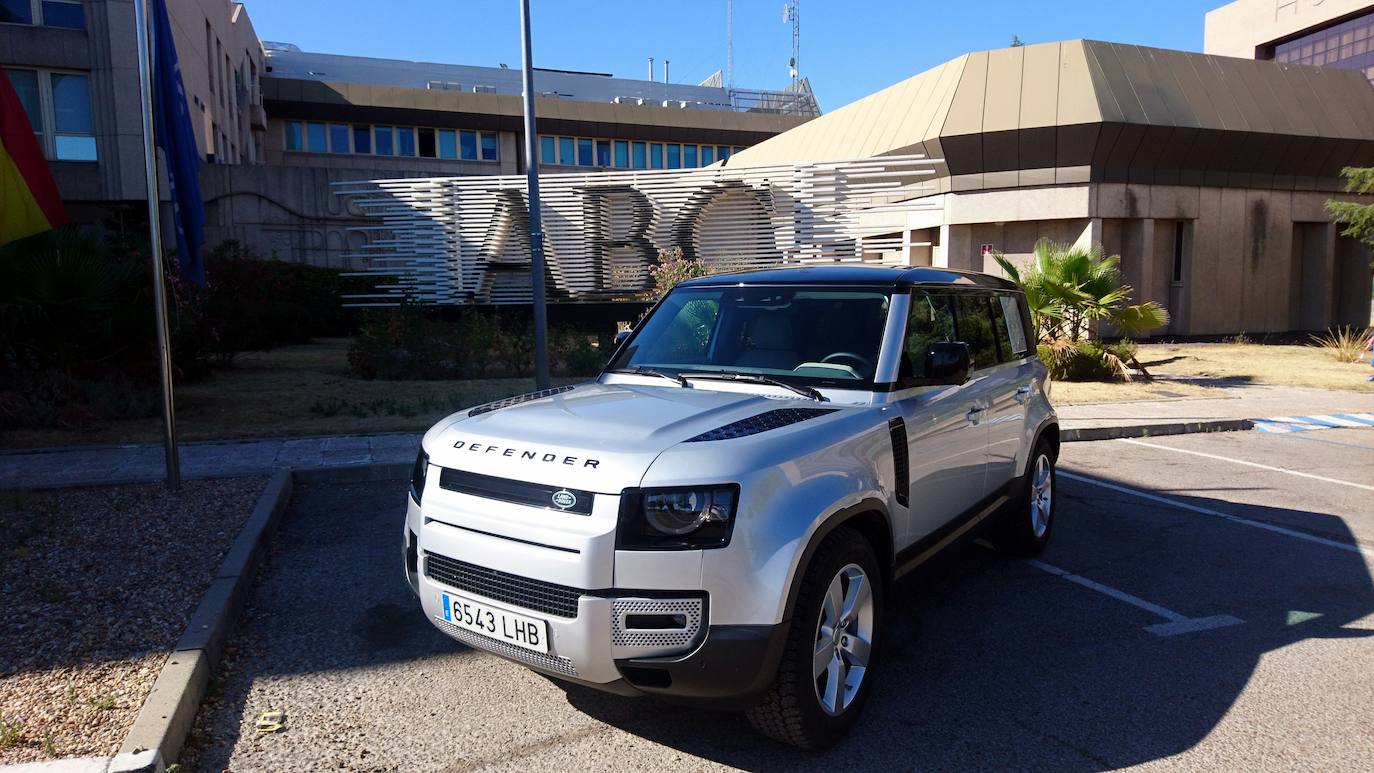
point(75, 67)
point(1323, 33)
point(1208, 175)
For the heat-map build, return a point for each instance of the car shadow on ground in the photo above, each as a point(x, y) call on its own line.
point(989, 662)
point(993, 663)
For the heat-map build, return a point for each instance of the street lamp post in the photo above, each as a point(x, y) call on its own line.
point(541, 344)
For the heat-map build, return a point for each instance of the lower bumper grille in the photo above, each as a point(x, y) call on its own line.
point(528, 657)
point(624, 613)
point(535, 595)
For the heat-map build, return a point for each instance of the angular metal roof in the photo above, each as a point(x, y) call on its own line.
point(1082, 110)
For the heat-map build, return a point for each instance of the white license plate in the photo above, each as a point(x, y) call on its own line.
point(527, 632)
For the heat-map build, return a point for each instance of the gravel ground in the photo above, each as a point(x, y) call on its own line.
point(96, 585)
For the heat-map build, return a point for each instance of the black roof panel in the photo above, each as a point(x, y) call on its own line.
point(854, 274)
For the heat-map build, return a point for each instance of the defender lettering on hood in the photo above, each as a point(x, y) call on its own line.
point(525, 454)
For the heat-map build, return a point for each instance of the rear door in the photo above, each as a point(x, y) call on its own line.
point(947, 441)
point(1009, 386)
point(974, 324)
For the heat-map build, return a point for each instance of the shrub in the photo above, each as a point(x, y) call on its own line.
point(1344, 344)
point(1088, 360)
point(409, 343)
point(671, 269)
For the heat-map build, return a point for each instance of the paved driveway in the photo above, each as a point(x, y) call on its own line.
point(1206, 605)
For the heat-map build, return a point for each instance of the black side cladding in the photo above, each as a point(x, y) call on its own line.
point(761, 423)
point(509, 401)
point(901, 462)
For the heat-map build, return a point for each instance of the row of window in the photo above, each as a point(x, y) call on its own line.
point(47, 13)
point(1348, 45)
point(58, 105)
point(412, 141)
point(629, 154)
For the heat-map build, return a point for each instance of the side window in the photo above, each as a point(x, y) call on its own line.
point(975, 327)
point(931, 321)
point(1011, 330)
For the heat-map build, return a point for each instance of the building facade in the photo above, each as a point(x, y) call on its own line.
point(1322, 33)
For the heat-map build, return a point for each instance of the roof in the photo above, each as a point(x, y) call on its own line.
point(853, 275)
point(1084, 110)
point(288, 61)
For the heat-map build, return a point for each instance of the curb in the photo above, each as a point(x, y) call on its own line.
point(143, 762)
point(165, 719)
point(1154, 430)
point(170, 709)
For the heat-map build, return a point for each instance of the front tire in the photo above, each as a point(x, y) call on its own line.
point(1026, 524)
point(823, 680)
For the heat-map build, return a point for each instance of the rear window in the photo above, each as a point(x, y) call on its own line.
point(973, 315)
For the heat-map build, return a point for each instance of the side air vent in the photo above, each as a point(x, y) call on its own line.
point(509, 401)
point(901, 463)
point(761, 423)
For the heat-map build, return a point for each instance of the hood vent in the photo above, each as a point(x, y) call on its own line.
point(509, 401)
point(761, 423)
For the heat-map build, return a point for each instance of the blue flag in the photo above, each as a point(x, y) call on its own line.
point(175, 134)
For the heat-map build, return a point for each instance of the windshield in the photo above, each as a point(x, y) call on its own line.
point(805, 335)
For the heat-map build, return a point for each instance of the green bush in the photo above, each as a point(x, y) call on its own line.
point(410, 343)
point(1088, 360)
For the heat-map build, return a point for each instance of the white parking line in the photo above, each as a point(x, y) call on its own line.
point(1283, 470)
point(1217, 514)
point(1178, 624)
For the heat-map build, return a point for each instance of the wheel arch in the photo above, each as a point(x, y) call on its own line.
point(869, 518)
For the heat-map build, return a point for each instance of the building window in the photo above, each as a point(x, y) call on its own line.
point(674, 156)
point(427, 146)
point(622, 154)
point(655, 155)
point(489, 147)
point(548, 150)
point(295, 135)
point(585, 155)
point(567, 155)
point(384, 140)
point(467, 145)
point(362, 139)
point(210, 55)
point(16, 12)
point(603, 152)
point(722, 152)
point(405, 141)
point(58, 105)
point(708, 155)
point(50, 13)
point(315, 138)
point(338, 138)
point(1348, 45)
point(638, 157)
point(448, 144)
point(689, 156)
point(1178, 252)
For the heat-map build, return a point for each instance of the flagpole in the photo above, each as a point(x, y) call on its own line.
point(541, 324)
point(164, 353)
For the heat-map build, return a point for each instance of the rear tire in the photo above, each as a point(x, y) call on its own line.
point(1025, 525)
point(824, 678)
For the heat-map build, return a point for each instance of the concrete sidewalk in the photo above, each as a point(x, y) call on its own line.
point(142, 462)
point(100, 465)
point(1241, 402)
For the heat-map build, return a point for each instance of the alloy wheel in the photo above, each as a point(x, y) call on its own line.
point(844, 639)
point(1041, 496)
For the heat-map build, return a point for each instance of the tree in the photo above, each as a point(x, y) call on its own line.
point(1357, 218)
point(1070, 288)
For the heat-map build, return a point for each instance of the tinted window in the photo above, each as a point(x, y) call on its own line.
point(931, 321)
point(338, 137)
point(467, 145)
point(488, 146)
point(362, 139)
point(63, 14)
point(16, 12)
point(974, 324)
point(548, 150)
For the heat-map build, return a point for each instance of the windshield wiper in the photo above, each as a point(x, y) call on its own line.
point(643, 371)
point(754, 378)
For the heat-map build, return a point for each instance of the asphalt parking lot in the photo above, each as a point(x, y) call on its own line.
point(1206, 605)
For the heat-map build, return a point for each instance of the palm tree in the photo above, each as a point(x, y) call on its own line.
point(1071, 288)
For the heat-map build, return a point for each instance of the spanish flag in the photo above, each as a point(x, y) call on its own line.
point(29, 203)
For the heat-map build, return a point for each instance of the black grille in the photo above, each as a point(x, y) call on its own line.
point(515, 491)
point(534, 595)
point(761, 423)
point(509, 401)
point(901, 463)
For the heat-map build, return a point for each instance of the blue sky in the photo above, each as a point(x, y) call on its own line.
point(848, 49)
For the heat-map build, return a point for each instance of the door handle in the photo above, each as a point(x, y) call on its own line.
point(1022, 393)
point(973, 414)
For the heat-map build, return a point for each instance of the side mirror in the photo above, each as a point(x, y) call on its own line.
point(948, 363)
point(620, 336)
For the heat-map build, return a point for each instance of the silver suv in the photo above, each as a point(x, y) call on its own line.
point(718, 517)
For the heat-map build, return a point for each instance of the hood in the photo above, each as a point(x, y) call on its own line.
point(596, 437)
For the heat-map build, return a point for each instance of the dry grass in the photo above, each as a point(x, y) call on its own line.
point(1277, 365)
point(295, 390)
point(1344, 344)
point(1087, 392)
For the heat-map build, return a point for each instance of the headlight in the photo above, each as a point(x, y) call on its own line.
point(417, 475)
point(676, 518)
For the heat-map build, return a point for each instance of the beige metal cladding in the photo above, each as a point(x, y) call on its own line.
point(1084, 111)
